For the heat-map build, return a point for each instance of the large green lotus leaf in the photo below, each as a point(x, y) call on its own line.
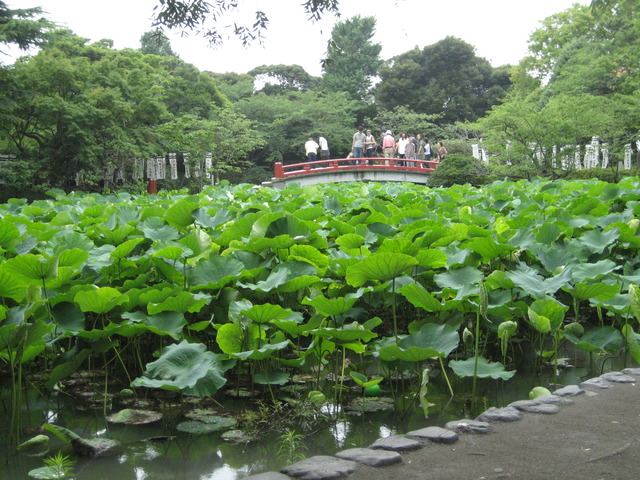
point(11, 286)
point(73, 257)
point(9, 234)
point(348, 333)
point(431, 258)
point(267, 312)
point(203, 218)
point(68, 317)
point(277, 277)
point(399, 245)
point(266, 351)
point(459, 278)
point(185, 367)
point(156, 229)
point(171, 251)
point(634, 301)
point(271, 378)
point(180, 214)
point(598, 291)
point(182, 302)
point(600, 339)
point(281, 242)
point(215, 272)
point(129, 416)
point(166, 323)
point(311, 255)
point(419, 297)
point(548, 233)
point(67, 240)
point(100, 300)
point(430, 341)
point(232, 338)
point(546, 315)
point(272, 225)
point(198, 242)
point(33, 267)
point(379, 267)
point(117, 235)
point(592, 271)
point(127, 214)
point(298, 284)
point(350, 241)
point(597, 241)
point(489, 249)
point(535, 285)
point(486, 369)
point(554, 257)
point(123, 250)
point(631, 338)
point(330, 307)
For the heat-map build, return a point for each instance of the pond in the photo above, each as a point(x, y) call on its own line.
point(160, 450)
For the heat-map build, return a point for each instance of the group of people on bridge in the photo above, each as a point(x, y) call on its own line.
point(365, 145)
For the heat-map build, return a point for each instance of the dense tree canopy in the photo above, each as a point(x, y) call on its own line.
point(445, 78)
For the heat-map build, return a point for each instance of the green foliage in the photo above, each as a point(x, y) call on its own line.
point(459, 170)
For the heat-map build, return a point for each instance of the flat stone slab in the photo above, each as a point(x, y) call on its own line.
point(632, 371)
point(435, 434)
point(569, 391)
point(553, 400)
point(469, 426)
point(503, 414)
point(597, 382)
point(268, 476)
point(320, 467)
point(618, 377)
point(396, 443)
point(532, 406)
point(368, 456)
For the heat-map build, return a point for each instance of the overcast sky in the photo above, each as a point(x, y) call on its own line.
point(498, 29)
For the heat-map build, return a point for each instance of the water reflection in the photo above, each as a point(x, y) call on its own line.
point(226, 473)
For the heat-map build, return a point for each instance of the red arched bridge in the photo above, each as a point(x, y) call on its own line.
point(338, 170)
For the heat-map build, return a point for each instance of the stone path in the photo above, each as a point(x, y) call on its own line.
point(586, 431)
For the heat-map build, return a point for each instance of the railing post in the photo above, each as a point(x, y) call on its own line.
point(278, 170)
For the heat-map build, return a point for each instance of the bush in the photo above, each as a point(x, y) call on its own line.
point(458, 169)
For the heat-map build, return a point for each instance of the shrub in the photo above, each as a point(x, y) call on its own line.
point(458, 169)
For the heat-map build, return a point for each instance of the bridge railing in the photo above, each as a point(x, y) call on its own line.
point(343, 164)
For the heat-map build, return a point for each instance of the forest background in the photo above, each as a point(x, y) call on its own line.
point(75, 109)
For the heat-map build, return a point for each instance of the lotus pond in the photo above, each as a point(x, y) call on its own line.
point(306, 300)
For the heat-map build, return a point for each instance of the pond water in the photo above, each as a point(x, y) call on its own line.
point(176, 455)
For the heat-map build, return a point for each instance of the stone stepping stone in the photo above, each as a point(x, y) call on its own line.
point(597, 382)
point(632, 371)
point(435, 434)
point(618, 377)
point(268, 476)
point(531, 406)
point(569, 391)
point(469, 426)
point(367, 456)
point(503, 414)
point(396, 443)
point(320, 467)
point(553, 400)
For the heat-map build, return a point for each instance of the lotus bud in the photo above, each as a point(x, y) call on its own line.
point(467, 336)
point(634, 223)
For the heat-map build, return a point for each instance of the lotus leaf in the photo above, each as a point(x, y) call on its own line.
point(430, 341)
point(214, 273)
point(100, 300)
point(486, 369)
point(134, 417)
point(186, 367)
point(379, 267)
point(546, 315)
point(272, 378)
point(207, 424)
point(600, 339)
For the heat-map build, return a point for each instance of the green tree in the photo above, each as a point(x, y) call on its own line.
point(352, 59)
point(446, 78)
point(155, 42)
point(278, 79)
point(18, 27)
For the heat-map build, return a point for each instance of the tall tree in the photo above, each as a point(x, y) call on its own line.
point(446, 78)
point(18, 26)
point(155, 42)
point(352, 59)
point(276, 79)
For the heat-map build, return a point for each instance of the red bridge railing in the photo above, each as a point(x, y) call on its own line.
point(344, 164)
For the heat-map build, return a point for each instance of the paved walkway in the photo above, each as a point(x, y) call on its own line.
point(591, 432)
